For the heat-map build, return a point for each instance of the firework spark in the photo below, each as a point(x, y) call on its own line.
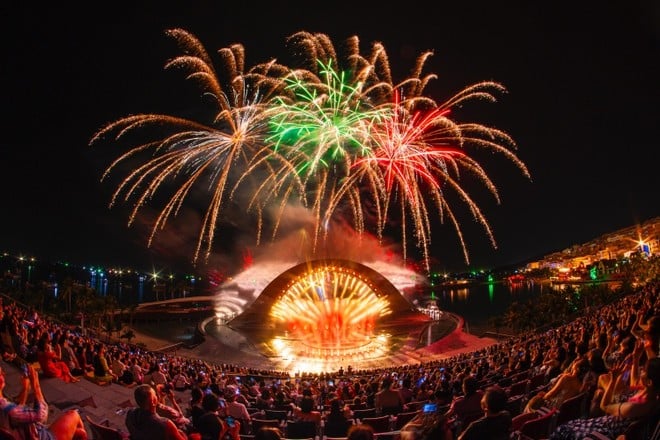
point(334, 134)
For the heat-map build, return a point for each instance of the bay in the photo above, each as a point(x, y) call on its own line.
point(477, 303)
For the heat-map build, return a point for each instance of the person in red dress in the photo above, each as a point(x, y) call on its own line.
point(50, 364)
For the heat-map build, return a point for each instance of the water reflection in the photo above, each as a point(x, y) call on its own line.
point(478, 302)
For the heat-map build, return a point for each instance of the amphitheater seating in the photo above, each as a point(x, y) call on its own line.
point(102, 430)
point(300, 430)
point(379, 424)
point(280, 415)
point(538, 428)
point(360, 414)
point(258, 423)
point(404, 417)
point(573, 408)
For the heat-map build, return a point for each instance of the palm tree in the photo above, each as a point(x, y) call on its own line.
point(128, 335)
point(67, 292)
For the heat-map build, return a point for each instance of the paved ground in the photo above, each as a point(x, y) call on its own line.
point(110, 402)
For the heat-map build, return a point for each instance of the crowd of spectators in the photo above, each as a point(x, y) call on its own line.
point(609, 353)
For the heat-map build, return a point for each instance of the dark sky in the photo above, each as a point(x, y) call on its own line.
point(583, 82)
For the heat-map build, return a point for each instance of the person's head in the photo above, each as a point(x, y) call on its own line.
point(494, 400)
point(268, 433)
point(210, 402)
point(581, 367)
point(627, 344)
point(360, 432)
point(336, 405)
point(470, 385)
point(196, 394)
point(145, 397)
point(307, 404)
point(230, 394)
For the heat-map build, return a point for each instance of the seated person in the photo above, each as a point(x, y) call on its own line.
point(496, 423)
point(211, 425)
point(388, 400)
point(28, 421)
point(306, 413)
point(173, 410)
point(143, 423)
point(569, 384)
point(466, 408)
point(430, 424)
point(336, 422)
point(618, 415)
point(102, 372)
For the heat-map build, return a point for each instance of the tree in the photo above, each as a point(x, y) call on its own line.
point(67, 292)
point(128, 335)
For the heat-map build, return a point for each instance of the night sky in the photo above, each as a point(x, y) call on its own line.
point(583, 105)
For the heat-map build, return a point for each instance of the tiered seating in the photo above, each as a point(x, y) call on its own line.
point(573, 408)
point(538, 428)
point(518, 388)
point(379, 424)
point(280, 415)
point(258, 423)
point(300, 430)
point(402, 418)
point(360, 414)
point(103, 431)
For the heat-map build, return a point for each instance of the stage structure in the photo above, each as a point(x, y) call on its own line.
point(322, 314)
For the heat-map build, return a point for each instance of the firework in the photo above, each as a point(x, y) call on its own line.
point(332, 133)
point(190, 152)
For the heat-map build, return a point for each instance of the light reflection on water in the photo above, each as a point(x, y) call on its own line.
point(480, 301)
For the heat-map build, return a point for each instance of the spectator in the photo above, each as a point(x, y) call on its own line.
point(360, 432)
point(268, 433)
point(85, 355)
point(337, 422)
point(28, 421)
point(180, 380)
point(195, 405)
point(143, 423)
point(51, 365)
point(171, 411)
point(405, 392)
point(137, 370)
point(158, 375)
point(210, 425)
point(102, 372)
point(496, 423)
point(117, 366)
point(306, 412)
point(618, 415)
point(388, 401)
point(569, 384)
point(69, 356)
point(236, 409)
point(466, 408)
point(264, 400)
